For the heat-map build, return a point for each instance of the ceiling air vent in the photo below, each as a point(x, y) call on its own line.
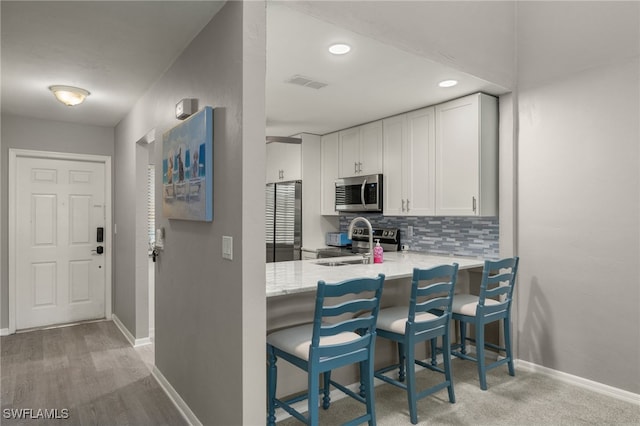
point(301, 80)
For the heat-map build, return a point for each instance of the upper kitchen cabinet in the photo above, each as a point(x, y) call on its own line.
point(360, 150)
point(409, 163)
point(284, 161)
point(329, 146)
point(467, 156)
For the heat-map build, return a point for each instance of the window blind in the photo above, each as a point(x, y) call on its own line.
point(151, 204)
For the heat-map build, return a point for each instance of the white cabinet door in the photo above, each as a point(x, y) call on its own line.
point(409, 164)
point(284, 162)
point(394, 144)
point(361, 150)
point(349, 152)
point(329, 146)
point(371, 148)
point(420, 163)
point(466, 156)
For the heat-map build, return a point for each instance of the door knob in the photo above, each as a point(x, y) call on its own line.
point(98, 250)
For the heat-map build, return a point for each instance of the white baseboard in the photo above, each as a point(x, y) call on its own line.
point(173, 395)
point(600, 388)
point(127, 334)
point(142, 342)
point(4, 331)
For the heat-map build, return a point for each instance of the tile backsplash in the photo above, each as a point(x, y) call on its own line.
point(457, 235)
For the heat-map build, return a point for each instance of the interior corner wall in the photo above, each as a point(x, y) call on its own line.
point(579, 225)
point(201, 319)
point(41, 135)
point(254, 301)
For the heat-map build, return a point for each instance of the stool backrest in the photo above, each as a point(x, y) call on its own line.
point(432, 292)
point(498, 281)
point(359, 315)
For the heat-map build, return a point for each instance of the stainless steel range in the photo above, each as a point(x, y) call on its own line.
point(389, 239)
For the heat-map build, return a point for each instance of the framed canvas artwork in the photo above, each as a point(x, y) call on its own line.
point(187, 168)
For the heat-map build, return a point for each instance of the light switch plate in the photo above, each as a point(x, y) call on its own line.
point(227, 247)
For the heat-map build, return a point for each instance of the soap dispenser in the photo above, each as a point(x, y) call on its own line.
point(377, 252)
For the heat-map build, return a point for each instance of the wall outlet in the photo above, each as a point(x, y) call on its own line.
point(227, 247)
point(405, 247)
point(409, 231)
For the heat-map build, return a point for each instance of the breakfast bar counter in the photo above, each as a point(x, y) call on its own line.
point(291, 292)
point(300, 276)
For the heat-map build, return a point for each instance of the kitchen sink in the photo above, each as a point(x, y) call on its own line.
point(342, 262)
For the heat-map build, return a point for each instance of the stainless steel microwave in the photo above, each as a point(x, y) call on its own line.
point(359, 194)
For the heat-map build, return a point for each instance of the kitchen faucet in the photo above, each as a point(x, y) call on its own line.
point(369, 256)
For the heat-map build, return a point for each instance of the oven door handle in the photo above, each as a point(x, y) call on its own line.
point(364, 206)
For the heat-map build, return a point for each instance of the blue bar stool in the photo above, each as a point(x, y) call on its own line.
point(336, 338)
point(493, 304)
point(425, 319)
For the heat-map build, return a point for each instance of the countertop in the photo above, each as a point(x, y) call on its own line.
point(303, 275)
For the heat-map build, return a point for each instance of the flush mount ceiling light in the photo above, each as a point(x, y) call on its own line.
point(448, 83)
point(339, 48)
point(69, 95)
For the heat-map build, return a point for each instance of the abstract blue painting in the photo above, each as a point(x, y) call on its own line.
point(187, 168)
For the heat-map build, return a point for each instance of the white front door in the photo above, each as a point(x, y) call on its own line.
point(59, 276)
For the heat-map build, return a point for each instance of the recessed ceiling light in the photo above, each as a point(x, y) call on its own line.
point(448, 83)
point(69, 95)
point(339, 48)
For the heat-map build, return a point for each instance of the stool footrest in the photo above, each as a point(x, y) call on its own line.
point(348, 392)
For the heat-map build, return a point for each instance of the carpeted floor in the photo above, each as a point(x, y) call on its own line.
point(526, 399)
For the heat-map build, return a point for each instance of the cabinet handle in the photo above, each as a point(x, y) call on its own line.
point(355, 167)
point(403, 204)
point(473, 199)
point(359, 167)
point(407, 205)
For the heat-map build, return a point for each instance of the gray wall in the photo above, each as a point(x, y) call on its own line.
point(571, 176)
point(210, 313)
point(578, 230)
point(41, 135)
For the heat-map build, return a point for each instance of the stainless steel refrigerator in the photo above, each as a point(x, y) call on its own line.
point(283, 224)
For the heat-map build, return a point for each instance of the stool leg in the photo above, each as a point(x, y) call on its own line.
point(363, 379)
point(367, 368)
point(411, 384)
point(446, 355)
point(434, 355)
point(326, 399)
point(401, 360)
point(314, 394)
point(482, 371)
point(507, 345)
point(463, 337)
point(272, 377)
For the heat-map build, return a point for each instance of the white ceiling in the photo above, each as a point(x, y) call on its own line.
point(114, 49)
point(373, 81)
point(117, 50)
